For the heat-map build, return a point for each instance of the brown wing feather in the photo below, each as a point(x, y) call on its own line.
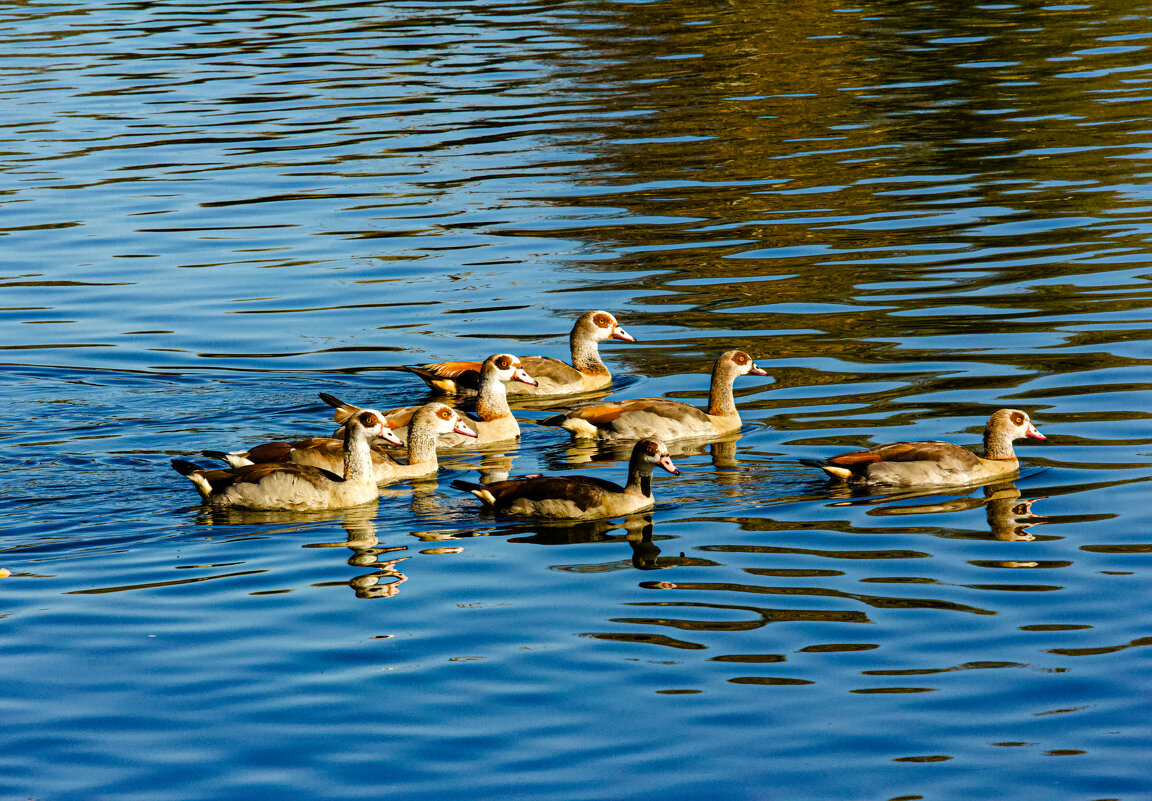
point(400, 417)
point(664, 407)
point(583, 491)
point(597, 413)
point(269, 452)
point(926, 451)
point(464, 374)
point(547, 368)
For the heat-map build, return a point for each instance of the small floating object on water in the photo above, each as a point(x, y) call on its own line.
point(935, 463)
point(577, 497)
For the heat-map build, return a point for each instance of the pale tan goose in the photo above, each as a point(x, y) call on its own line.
point(293, 486)
point(934, 463)
point(660, 417)
point(493, 420)
point(577, 497)
point(425, 425)
point(553, 376)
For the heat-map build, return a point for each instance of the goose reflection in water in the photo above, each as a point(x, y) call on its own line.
point(359, 524)
point(1008, 515)
point(638, 533)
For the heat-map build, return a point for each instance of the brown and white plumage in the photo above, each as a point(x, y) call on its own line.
point(424, 425)
point(292, 486)
point(660, 417)
point(587, 371)
point(932, 462)
point(493, 419)
point(577, 497)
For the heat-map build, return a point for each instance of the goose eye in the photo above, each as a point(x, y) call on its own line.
point(1018, 418)
point(445, 413)
point(504, 362)
point(602, 320)
point(369, 420)
point(741, 358)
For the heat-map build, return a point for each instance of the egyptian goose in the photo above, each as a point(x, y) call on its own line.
point(425, 425)
point(553, 376)
point(493, 420)
point(577, 497)
point(660, 417)
point(934, 463)
point(280, 486)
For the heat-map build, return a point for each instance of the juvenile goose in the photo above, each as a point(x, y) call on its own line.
point(553, 376)
point(293, 486)
point(660, 417)
point(932, 462)
point(577, 497)
point(425, 425)
point(493, 421)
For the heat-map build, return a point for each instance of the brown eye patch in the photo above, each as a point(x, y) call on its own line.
point(369, 420)
point(1018, 418)
point(602, 320)
point(444, 413)
point(741, 358)
point(504, 362)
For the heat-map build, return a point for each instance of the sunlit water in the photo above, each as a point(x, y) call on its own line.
point(909, 214)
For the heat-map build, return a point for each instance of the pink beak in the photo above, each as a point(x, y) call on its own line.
point(666, 463)
point(621, 334)
point(757, 370)
point(1033, 433)
point(463, 428)
point(523, 377)
point(388, 435)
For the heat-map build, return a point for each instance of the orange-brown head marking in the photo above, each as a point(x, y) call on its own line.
point(444, 413)
point(504, 362)
point(1018, 418)
point(603, 320)
point(369, 420)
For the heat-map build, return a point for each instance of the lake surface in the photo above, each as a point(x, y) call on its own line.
point(909, 214)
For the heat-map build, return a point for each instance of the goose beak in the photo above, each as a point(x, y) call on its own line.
point(463, 428)
point(1033, 433)
point(621, 334)
point(757, 370)
point(388, 435)
point(523, 377)
point(666, 463)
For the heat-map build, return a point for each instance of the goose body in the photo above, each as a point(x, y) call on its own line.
point(587, 371)
point(424, 425)
point(660, 417)
point(281, 486)
point(577, 497)
point(935, 463)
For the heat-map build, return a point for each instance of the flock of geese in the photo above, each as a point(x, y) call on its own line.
point(347, 469)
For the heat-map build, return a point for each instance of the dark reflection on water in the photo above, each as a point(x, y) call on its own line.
point(909, 214)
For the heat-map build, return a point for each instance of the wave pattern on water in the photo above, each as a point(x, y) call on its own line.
point(909, 215)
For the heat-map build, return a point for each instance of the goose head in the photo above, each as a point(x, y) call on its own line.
point(599, 326)
point(737, 362)
point(446, 420)
point(506, 367)
point(652, 453)
point(1013, 424)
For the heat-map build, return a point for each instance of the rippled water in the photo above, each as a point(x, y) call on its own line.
point(909, 214)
